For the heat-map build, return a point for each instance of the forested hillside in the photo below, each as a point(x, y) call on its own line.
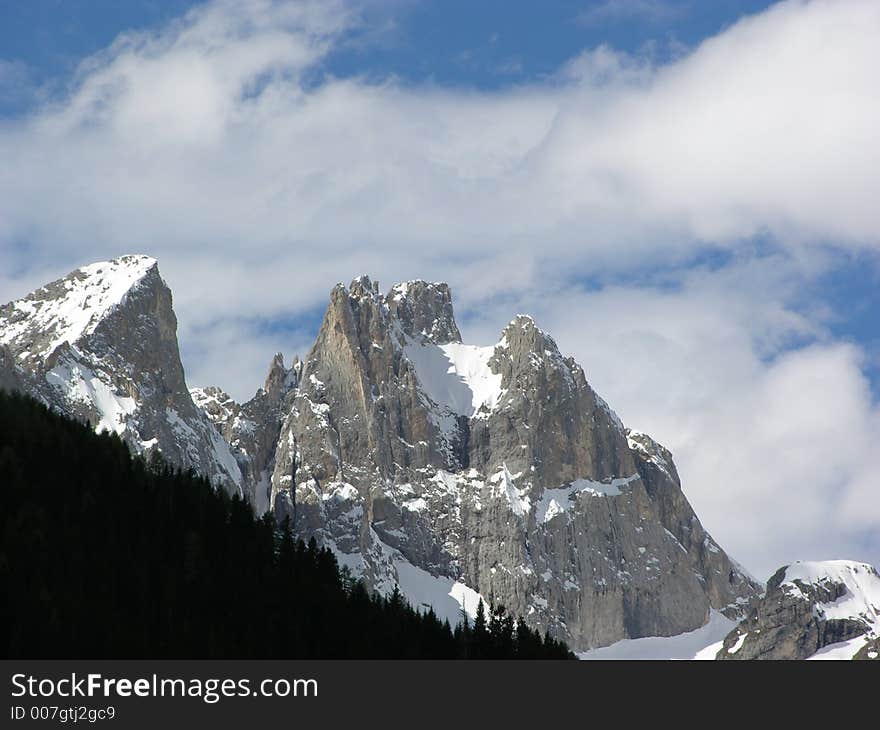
point(107, 556)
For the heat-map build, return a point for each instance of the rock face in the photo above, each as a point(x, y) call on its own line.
point(498, 467)
point(13, 377)
point(451, 470)
point(252, 429)
point(101, 345)
point(820, 609)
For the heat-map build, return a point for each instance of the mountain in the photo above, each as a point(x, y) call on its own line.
point(100, 345)
point(453, 471)
point(812, 610)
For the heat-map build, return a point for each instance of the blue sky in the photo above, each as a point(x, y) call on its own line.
point(683, 193)
point(485, 44)
point(480, 45)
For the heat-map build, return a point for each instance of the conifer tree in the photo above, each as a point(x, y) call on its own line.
point(480, 643)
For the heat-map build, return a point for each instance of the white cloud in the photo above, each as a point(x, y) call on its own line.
point(216, 145)
point(770, 124)
point(204, 140)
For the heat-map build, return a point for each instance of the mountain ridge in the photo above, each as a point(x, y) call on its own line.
point(453, 471)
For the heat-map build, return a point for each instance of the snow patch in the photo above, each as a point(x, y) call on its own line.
point(416, 505)
point(740, 640)
point(702, 643)
point(340, 492)
point(519, 504)
point(456, 376)
point(447, 596)
point(223, 455)
point(81, 385)
point(554, 502)
point(842, 650)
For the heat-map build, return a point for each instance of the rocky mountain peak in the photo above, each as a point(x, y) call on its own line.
point(424, 310)
point(73, 307)
point(363, 287)
point(425, 461)
point(420, 310)
point(655, 454)
point(531, 350)
point(100, 344)
point(524, 323)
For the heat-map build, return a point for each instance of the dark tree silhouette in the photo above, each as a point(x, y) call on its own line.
point(103, 555)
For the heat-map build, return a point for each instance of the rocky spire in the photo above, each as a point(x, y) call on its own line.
point(279, 379)
point(424, 310)
point(498, 466)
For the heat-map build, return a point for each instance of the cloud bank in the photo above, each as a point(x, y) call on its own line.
point(220, 144)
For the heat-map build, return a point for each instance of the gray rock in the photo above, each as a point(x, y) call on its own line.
point(100, 345)
point(797, 616)
point(252, 429)
point(534, 496)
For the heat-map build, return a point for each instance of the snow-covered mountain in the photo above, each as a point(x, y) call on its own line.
point(101, 345)
point(812, 610)
point(452, 470)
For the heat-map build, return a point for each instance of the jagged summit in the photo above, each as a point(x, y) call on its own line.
point(100, 344)
point(451, 470)
point(422, 309)
point(251, 429)
point(523, 321)
point(279, 380)
point(72, 307)
point(422, 460)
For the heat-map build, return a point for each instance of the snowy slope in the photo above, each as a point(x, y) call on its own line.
point(861, 600)
point(457, 376)
point(841, 651)
point(703, 643)
point(70, 308)
point(447, 596)
point(81, 385)
point(100, 345)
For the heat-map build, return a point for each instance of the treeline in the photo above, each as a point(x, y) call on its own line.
point(105, 556)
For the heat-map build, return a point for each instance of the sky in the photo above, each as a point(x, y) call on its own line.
point(683, 193)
